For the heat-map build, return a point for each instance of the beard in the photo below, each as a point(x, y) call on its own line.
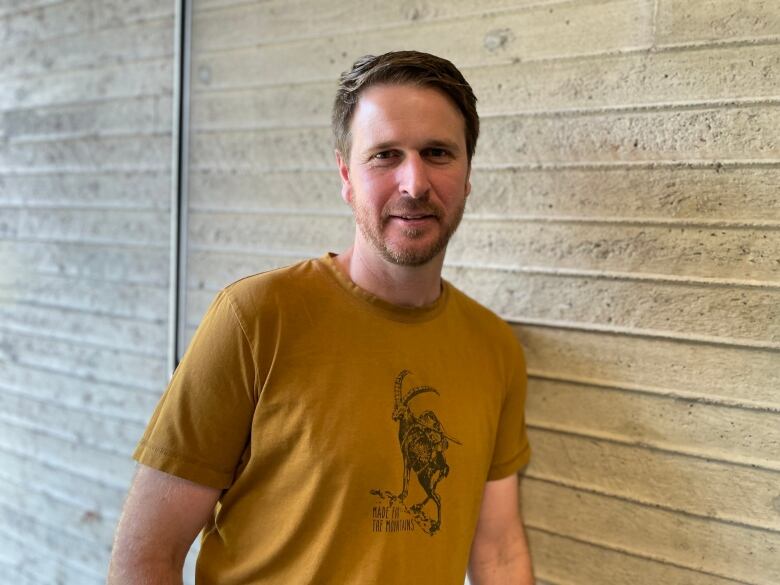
point(409, 252)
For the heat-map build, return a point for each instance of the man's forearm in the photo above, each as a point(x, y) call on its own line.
point(139, 561)
point(506, 562)
point(514, 570)
point(140, 573)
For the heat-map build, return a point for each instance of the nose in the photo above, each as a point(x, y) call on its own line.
point(413, 180)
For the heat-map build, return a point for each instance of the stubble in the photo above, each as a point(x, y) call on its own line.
point(407, 252)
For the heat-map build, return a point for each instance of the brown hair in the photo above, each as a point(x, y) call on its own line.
point(399, 68)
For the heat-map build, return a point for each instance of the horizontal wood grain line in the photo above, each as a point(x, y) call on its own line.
point(80, 173)
point(128, 300)
point(124, 207)
point(400, 25)
point(508, 217)
point(59, 465)
point(86, 135)
point(30, 425)
point(94, 365)
point(51, 491)
point(138, 22)
point(628, 220)
point(142, 81)
point(649, 333)
point(672, 312)
point(647, 504)
point(711, 43)
point(649, 164)
point(30, 6)
point(200, 9)
point(743, 374)
point(535, 166)
point(542, 270)
point(692, 105)
point(652, 445)
point(96, 243)
point(89, 101)
point(12, 572)
point(46, 431)
point(69, 375)
point(467, 69)
point(117, 415)
point(703, 487)
point(35, 304)
point(385, 27)
point(603, 111)
point(72, 535)
point(622, 275)
point(47, 334)
point(616, 275)
point(85, 69)
point(757, 406)
point(670, 106)
point(65, 407)
point(70, 168)
point(630, 553)
point(722, 549)
point(102, 429)
point(92, 136)
point(29, 470)
point(40, 576)
point(246, 251)
point(6, 287)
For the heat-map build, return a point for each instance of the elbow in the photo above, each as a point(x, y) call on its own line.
point(134, 561)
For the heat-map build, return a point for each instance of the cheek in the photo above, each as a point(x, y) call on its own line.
point(451, 186)
point(376, 186)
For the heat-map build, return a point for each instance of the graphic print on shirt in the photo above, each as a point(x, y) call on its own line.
point(423, 441)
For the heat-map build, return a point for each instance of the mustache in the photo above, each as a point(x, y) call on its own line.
point(413, 207)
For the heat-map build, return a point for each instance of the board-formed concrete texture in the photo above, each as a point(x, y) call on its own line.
point(85, 182)
point(624, 219)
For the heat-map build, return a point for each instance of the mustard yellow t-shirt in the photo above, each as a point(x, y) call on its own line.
point(351, 438)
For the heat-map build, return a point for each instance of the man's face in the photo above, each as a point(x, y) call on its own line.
point(407, 177)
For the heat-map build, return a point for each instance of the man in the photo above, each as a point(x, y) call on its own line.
point(353, 419)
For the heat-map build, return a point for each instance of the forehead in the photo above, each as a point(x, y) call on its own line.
point(388, 112)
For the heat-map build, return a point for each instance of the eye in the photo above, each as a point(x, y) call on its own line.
point(384, 158)
point(437, 154)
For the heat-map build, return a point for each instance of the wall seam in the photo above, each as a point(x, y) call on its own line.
point(179, 181)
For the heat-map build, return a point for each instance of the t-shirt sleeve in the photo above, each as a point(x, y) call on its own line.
point(512, 451)
point(201, 425)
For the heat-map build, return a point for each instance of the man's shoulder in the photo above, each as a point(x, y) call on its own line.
point(271, 285)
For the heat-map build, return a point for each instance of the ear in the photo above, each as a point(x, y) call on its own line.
point(346, 184)
point(468, 181)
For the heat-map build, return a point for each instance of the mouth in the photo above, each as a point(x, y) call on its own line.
point(413, 217)
point(416, 220)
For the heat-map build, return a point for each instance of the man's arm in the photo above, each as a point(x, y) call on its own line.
point(499, 553)
point(161, 518)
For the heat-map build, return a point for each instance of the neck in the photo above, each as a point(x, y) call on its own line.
point(405, 286)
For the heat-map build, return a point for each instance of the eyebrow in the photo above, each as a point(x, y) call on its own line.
point(444, 143)
point(453, 146)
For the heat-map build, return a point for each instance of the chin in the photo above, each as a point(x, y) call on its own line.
point(412, 255)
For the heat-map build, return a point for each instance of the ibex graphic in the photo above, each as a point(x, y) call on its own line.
point(423, 443)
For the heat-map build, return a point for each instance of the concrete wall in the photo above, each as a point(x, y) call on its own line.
point(85, 180)
point(625, 217)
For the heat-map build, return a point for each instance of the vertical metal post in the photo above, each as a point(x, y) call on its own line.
point(179, 182)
